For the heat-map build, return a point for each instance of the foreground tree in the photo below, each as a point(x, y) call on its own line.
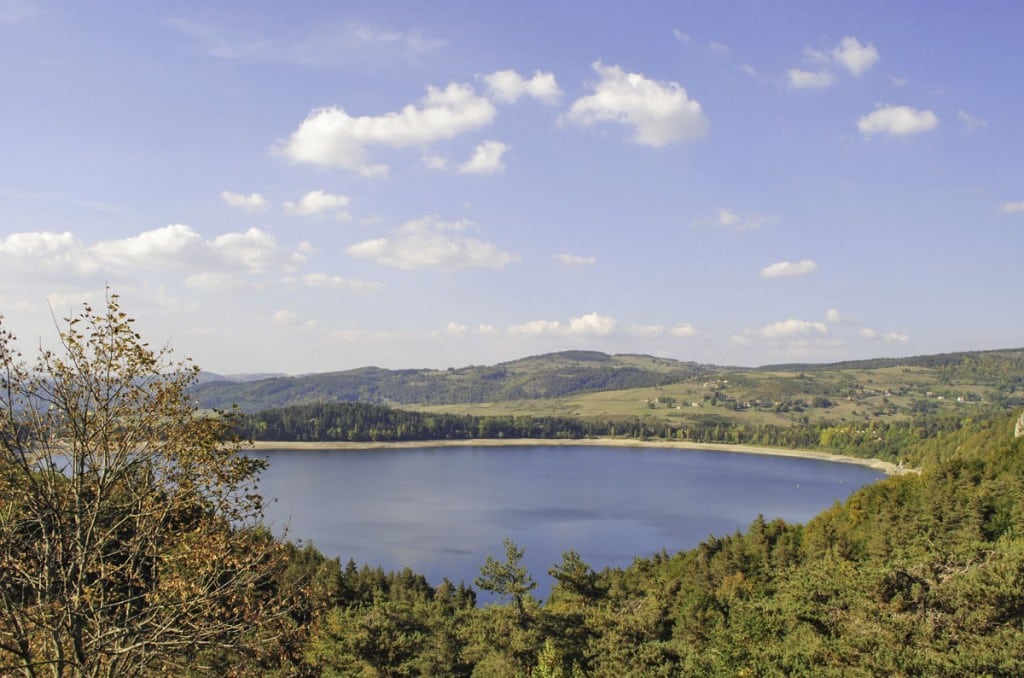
point(129, 538)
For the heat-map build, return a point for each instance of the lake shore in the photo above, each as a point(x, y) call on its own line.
point(886, 467)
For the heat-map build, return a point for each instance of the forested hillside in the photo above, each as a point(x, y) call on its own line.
point(361, 422)
point(915, 575)
point(549, 376)
point(665, 394)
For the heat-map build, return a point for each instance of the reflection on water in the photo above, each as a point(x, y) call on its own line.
point(441, 511)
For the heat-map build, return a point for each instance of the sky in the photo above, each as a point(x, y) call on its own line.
point(317, 186)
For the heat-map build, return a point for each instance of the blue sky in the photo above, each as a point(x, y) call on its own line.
point(312, 186)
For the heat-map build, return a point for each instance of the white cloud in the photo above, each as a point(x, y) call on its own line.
point(176, 244)
point(787, 269)
point(683, 330)
point(855, 57)
point(220, 282)
point(1012, 207)
point(330, 137)
point(431, 243)
point(659, 113)
point(537, 327)
point(456, 329)
point(895, 338)
point(254, 202)
point(486, 159)
point(592, 323)
point(319, 202)
point(576, 260)
point(747, 69)
point(680, 36)
point(336, 282)
point(434, 162)
point(719, 47)
point(32, 251)
point(801, 79)
point(791, 328)
point(972, 121)
point(509, 86)
point(742, 221)
point(897, 121)
point(834, 316)
point(589, 324)
point(285, 317)
point(256, 250)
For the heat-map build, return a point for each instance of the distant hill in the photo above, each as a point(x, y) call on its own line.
point(974, 376)
point(543, 376)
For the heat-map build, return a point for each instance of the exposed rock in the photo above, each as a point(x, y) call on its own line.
point(1018, 430)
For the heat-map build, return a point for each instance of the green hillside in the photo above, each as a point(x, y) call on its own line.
point(591, 385)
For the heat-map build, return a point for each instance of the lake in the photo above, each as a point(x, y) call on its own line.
point(441, 511)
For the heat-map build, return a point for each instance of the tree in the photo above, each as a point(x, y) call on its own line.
point(129, 538)
point(509, 579)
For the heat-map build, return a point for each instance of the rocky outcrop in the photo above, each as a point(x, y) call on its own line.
point(1018, 430)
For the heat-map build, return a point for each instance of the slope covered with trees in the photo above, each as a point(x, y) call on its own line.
point(130, 544)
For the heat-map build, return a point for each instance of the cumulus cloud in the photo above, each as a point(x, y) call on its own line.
point(432, 243)
point(855, 57)
point(537, 327)
point(683, 330)
point(659, 113)
point(589, 324)
point(788, 269)
point(1012, 207)
point(486, 159)
point(742, 221)
point(255, 250)
point(509, 86)
point(834, 316)
point(897, 121)
point(576, 260)
point(221, 282)
point(895, 338)
point(336, 282)
point(175, 244)
point(254, 202)
point(791, 328)
point(456, 329)
point(592, 323)
point(44, 250)
point(330, 137)
point(284, 317)
point(320, 202)
point(801, 79)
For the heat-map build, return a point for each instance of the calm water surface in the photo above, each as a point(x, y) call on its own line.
point(441, 511)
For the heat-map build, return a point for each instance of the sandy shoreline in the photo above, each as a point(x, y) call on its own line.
point(884, 466)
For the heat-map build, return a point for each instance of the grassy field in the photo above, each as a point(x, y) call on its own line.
point(768, 397)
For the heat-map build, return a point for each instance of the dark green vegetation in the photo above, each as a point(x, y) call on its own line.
point(130, 545)
point(548, 376)
point(891, 440)
point(917, 575)
point(660, 393)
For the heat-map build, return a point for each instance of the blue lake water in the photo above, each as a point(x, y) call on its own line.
point(441, 511)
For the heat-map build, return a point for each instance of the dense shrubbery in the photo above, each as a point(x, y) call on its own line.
point(360, 422)
point(914, 575)
point(128, 546)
